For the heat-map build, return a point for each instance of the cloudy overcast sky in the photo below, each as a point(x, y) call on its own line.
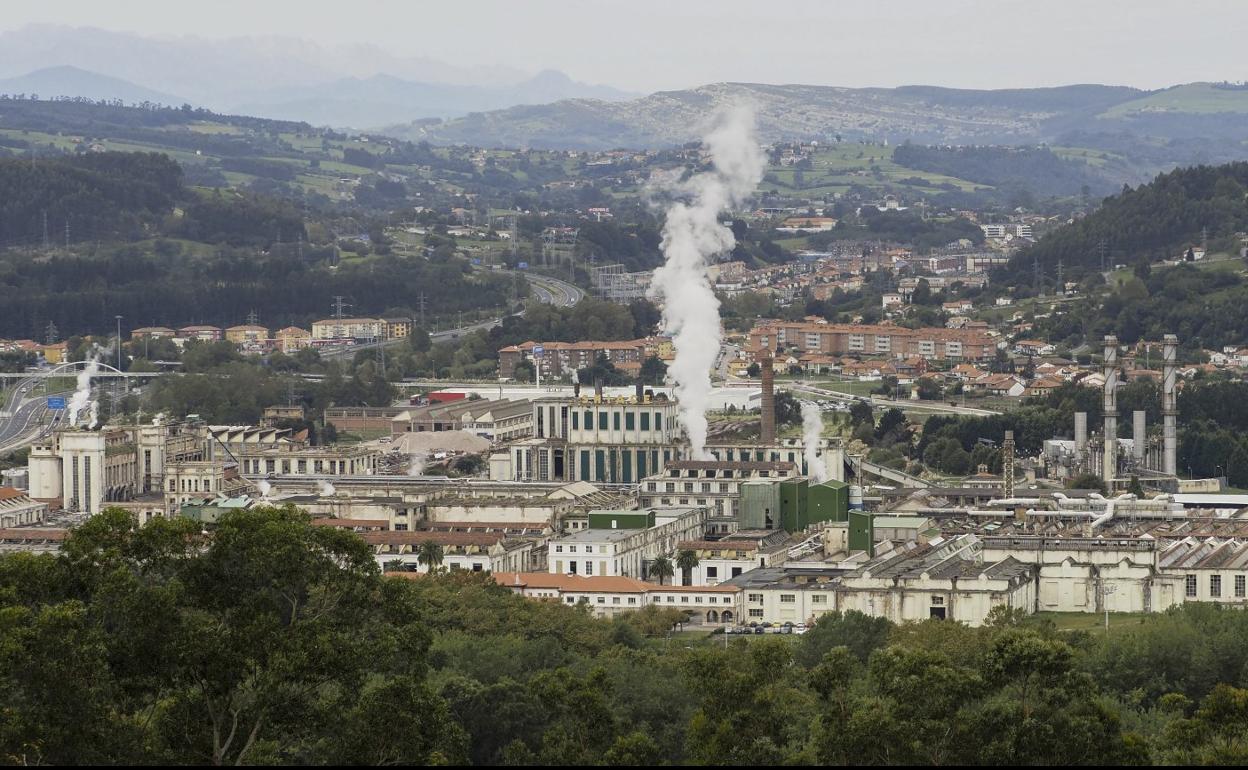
point(644, 45)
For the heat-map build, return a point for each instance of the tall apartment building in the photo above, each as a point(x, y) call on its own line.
point(557, 359)
point(872, 340)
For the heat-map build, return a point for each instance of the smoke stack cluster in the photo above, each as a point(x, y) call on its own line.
point(767, 433)
point(1169, 406)
point(1110, 464)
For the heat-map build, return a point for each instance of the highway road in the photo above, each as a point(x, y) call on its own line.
point(942, 407)
point(26, 418)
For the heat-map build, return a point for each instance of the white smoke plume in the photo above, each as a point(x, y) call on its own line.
point(692, 237)
point(264, 487)
point(81, 400)
point(416, 463)
point(325, 488)
point(812, 431)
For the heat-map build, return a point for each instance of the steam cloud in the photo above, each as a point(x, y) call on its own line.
point(325, 488)
point(416, 463)
point(264, 487)
point(81, 400)
point(812, 430)
point(692, 237)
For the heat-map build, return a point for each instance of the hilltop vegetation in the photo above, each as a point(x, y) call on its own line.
point(1152, 222)
point(1037, 170)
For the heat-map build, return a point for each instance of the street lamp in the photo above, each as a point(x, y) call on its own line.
point(1105, 592)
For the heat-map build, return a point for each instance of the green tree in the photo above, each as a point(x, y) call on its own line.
point(686, 562)
point(661, 568)
point(429, 553)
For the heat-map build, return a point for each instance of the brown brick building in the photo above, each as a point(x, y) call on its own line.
point(872, 340)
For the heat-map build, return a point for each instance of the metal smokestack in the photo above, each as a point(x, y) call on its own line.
point(1139, 428)
point(1110, 464)
point(1169, 406)
point(1081, 441)
point(767, 433)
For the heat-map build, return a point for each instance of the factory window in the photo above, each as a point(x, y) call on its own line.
point(688, 486)
point(558, 549)
point(818, 599)
point(706, 487)
point(645, 421)
point(755, 597)
point(602, 600)
point(712, 572)
point(788, 598)
point(1215, 586)
point(630, 421)
point(756, 613)
point(1239, 586)
point(1191, 586)
point(602, 419)
point(615, 600)
point(939, 601)
point(652, 487)
point(615, 420)
point(632, 600)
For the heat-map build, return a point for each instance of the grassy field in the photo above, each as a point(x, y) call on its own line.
point(840, 166)
point(1193, 97)
point(1091, 621)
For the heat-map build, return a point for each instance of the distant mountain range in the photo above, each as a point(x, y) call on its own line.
point(383, 99)
point(1185, 114)
point(350, 86)
point(71, 81)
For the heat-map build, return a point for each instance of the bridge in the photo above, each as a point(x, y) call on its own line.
point(861, 466)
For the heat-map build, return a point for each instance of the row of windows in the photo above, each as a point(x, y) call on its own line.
point(614, 420)
point(588, 549)
point(785, 598)
point(688, 487)
point(1215, 586)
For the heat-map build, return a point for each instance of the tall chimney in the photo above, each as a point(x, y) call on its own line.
point(1007, 464)
point(1169, 406)
point(1110, 464)
point(640, 391)
point(1081, 442)
point(1138, 430)
point(597, 390)
point(768, 431)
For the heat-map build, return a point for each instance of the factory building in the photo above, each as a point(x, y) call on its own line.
point(595, 439)
point(624, 543)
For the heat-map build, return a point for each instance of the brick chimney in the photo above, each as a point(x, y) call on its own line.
point(768, 432)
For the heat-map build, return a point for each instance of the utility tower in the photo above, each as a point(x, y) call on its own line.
point(339, 307)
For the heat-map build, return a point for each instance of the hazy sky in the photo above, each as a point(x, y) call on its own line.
point(646, 45)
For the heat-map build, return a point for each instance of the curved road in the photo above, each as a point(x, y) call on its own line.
point(26, 422)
